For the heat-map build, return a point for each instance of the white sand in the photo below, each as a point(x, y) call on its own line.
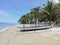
point(12, 36)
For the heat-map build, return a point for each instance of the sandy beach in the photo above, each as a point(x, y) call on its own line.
point(13, 36)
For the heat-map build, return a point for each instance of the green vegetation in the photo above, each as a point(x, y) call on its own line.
point(49, 13)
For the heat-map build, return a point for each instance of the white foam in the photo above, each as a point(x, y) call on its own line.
point(4, 29)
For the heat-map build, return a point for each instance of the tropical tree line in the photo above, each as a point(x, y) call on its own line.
point(49, 13)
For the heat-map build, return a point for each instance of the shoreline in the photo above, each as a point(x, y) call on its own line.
point(4, 28)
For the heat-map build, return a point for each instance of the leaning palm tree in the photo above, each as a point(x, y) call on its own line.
point(22, 20)
point(35, 12)
point(29, 18)
point(50, 10)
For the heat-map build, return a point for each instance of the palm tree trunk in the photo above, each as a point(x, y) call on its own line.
point(37, 22)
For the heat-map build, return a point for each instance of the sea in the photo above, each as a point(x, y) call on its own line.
point(4, 25)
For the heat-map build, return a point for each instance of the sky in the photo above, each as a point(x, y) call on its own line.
point(12, 10)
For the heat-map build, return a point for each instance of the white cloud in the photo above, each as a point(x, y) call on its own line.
point(4, 13)
point(6, 17)
point(55, 1)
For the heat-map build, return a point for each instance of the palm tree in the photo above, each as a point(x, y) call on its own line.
point(28, 18)
point(58, 12)
point(35, 12)
point(32, 17)
point(22, 20)
point(50, 10)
